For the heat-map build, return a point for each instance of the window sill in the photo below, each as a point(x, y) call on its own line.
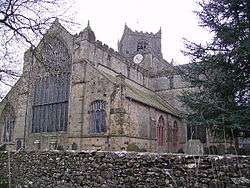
point(50, 133)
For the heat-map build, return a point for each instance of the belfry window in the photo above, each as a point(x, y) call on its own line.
point(8, 120)
point(97, 117)
point(141, 45)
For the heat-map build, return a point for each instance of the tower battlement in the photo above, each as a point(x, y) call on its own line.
point(134, 42)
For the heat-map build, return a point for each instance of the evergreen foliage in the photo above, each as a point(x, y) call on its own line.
point(219, 71)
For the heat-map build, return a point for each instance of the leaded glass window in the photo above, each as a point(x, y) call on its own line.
point(51, 93)
point(50, 105)
point(8, 120)
point(97, 117)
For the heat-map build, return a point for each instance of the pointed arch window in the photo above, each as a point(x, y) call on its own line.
point(98, 117)
point(50, 105)
point(8, 120)
point(160, 131)
point(175, 134)
point(51, 93)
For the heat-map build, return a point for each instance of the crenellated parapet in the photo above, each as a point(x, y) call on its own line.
point(127, 30)
point(133, 42)
point(111, 53)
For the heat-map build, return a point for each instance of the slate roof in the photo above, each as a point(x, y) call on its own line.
point(151, 99)
point(146, 97)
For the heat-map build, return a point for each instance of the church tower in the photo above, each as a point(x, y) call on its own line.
point(134, 42)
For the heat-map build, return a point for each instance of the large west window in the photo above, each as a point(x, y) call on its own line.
point(51, 92)
point(98, 117)
point(50, 105)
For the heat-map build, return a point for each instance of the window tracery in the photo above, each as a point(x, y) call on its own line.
point(55, 54)
point(50, 102)
point(98, 116)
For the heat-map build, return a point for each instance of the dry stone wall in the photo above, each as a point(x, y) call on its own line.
point(121, 169)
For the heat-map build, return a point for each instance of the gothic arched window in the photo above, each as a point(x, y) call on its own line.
point(8, 120)
point(51, 93)
point(160, 131)
point(50, 105)
point(98, 117)
point(175, 134)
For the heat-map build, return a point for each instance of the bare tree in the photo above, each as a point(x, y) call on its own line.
point(22, 23)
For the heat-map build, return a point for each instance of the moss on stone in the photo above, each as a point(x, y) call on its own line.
point(133, 147)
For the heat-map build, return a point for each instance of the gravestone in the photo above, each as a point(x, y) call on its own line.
point(194, 147)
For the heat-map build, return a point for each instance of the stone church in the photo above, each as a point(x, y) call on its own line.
point(77, 94)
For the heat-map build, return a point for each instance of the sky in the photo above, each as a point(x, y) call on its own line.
point(108, 17)
point(175, 18)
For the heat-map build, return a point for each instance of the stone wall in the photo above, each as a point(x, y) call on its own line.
point(119, 169)
point(16, 99)
point(129, 42)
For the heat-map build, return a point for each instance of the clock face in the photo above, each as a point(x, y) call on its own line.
point(55, 54)
point(138, 58)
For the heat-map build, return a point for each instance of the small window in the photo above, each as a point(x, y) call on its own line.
point(98, 117)
point(142, 45)
point(160, 131)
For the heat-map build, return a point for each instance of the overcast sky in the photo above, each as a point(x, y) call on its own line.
point(175, 17)
point(108, 17)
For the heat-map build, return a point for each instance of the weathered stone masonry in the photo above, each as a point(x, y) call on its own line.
point(56, 102)
point(119, 169)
